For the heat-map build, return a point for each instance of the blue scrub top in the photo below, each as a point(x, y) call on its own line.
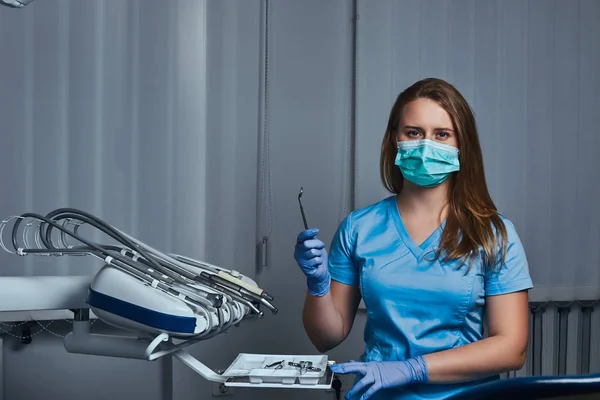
point(416, 305)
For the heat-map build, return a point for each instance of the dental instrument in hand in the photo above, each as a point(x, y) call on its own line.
point(302, 208)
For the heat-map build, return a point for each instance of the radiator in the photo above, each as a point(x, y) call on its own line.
point(564, 339)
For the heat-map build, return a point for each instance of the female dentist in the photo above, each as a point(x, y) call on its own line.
point(428, 261)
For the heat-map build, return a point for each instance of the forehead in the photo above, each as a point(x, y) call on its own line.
point(425, 113)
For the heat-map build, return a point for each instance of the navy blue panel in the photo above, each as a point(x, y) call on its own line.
point(142, 315)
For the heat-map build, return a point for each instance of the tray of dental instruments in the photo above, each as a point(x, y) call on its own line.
point(274, 370)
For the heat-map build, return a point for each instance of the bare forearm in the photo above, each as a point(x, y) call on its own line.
point(323, 322)
point(477, 360)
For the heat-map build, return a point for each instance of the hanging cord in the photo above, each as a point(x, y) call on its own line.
point(349, 179)
point(265, 198)
point(7, 328)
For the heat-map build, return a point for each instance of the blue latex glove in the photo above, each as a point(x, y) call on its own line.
point(311, 256)
point(378, 375)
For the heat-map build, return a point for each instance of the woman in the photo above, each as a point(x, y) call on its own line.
point(427, 262)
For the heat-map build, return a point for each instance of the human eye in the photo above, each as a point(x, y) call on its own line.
point(413, 133)
point(443, 135)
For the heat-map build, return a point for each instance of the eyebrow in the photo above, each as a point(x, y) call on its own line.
point(420, 129)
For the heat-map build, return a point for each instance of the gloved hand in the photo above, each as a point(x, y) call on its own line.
point(378, 375)
point(311, 256)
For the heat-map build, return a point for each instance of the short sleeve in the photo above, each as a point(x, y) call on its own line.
point(341, 265)
point(513, 276)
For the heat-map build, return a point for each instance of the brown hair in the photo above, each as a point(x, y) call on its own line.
point(473, 219)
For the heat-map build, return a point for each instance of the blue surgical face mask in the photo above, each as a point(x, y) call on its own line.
point(426, 163)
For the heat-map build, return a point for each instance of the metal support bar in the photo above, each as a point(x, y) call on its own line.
point(198, 367)
point(586, 339)
point(81, 314)
point(537, 310)
point(563, 332)
point(529, 359)
point(1, 368)
point(166, 378)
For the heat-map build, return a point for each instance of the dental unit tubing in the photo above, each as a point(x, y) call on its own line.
point(15, 3)
point(166, 302)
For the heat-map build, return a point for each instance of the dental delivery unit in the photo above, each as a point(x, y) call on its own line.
point(168, 300)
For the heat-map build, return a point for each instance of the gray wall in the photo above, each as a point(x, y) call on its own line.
point(154, 119)
point(103, 108)
point(530, 71)
point(309, 89)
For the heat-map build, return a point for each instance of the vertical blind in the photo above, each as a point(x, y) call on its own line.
point(529, 70)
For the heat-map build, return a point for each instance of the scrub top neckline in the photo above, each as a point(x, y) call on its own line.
point(416, 250)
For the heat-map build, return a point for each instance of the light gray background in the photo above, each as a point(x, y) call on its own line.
point(148, 113)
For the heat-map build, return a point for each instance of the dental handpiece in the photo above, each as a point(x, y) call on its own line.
point(302, 208)
point(246, 294)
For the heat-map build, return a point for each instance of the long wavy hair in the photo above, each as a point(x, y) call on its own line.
point(473, 223)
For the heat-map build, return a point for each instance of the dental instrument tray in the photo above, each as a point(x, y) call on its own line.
point(274, 370)
point(165, 301)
